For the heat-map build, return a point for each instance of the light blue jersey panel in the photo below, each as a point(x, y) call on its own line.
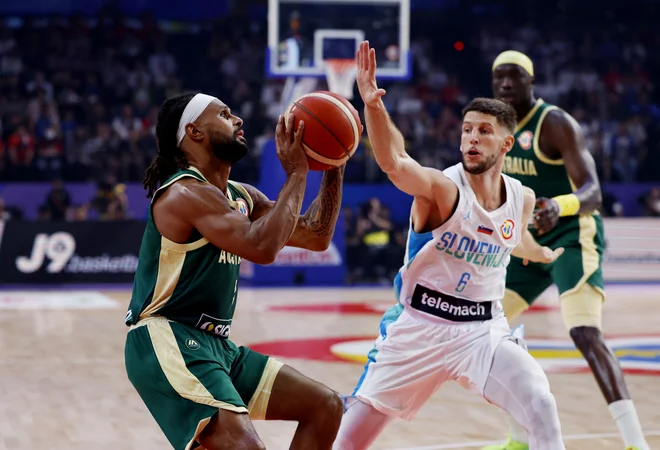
point(416, 241)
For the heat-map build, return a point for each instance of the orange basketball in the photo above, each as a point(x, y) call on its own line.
point(332, 128)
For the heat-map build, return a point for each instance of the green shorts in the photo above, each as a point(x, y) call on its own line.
point(583, 239)
point(185, 375)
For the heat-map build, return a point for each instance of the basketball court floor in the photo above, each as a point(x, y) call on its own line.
point(63, 384)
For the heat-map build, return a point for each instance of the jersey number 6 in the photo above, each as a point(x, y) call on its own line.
point(463, 282)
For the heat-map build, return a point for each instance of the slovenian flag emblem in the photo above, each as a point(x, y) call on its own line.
point(484, 230)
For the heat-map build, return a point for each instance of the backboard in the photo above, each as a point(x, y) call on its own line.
point(304, 33)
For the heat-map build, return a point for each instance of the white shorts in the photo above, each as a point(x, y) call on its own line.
point(413, 357)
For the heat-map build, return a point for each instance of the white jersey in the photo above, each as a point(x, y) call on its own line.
point(457, 272)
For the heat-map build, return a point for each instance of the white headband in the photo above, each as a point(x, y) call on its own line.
point(193, 110)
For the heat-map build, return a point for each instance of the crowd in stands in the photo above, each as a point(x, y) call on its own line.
point(79, 97)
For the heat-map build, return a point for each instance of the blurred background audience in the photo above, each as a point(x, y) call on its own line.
point(79, 99)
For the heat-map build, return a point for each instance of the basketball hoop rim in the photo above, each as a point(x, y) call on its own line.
point(340, 63)
point(340, 74)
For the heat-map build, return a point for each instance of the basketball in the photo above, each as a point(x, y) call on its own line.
point(332, 128)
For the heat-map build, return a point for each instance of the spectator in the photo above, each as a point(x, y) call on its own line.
point(651, 203)
point(4, 215)
point(375, 227)
point(21, 151)
point(58, 201)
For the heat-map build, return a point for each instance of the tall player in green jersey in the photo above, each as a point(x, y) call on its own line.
point(200, 387)
point(550, 156)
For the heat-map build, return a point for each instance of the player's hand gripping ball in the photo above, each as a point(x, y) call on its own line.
point(332, 128)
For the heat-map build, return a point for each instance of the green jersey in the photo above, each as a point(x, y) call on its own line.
point(525, 162)
point(193, 283)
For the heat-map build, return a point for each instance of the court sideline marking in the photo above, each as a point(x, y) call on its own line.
point(570, 437)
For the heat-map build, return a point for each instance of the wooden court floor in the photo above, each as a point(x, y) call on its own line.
point(63, 384)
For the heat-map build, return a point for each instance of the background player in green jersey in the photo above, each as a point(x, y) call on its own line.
point(200, 387)
point(550, 157)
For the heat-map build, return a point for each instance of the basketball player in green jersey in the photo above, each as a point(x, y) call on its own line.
point(200, 387)
point(549, 156)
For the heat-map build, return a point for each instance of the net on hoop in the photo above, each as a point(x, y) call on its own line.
point(340, 74)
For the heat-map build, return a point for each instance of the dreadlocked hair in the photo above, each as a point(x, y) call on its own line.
point(170, 158)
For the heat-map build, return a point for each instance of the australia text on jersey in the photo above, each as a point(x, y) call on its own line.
point(229, 258)
point(513, 165)
point(478, 252)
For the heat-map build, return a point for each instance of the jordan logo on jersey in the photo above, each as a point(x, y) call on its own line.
point(507, 229)
point(525, 140)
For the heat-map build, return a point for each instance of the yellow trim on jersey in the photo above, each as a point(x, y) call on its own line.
point(583, 307)
point(258, 405)
point(200, 427)
point(236, 185)
point(513, 304)
point(590, 257)
point(171, 361)
point(170, 183)
point(170, 265)
point(537, 134)
point(198, 172)
point(189, 247)
point(243, 191)
point(521, 124)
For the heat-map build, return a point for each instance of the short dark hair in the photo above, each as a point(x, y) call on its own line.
point(503, 112)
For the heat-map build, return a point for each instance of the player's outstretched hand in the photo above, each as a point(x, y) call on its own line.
point(366, 75)
point(546, 215)
point(547, 256)
point(289, 148)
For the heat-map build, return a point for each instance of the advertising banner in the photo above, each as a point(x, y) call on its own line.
point(296, 266)
point(69, 252)
point(632, 252)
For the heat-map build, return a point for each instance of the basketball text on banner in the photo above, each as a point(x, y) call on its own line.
point(64, 253)
point(632, 250)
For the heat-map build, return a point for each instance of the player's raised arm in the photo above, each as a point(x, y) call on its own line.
point(529, 249)
point(562, 135)
point(315, 228)
point(206, 208)
point(387, 142)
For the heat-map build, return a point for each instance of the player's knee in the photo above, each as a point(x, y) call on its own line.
point(541, 407)
point(251, 444)
point(543, 403)
point(221, 441)
point(228, 430)
point(329, 409)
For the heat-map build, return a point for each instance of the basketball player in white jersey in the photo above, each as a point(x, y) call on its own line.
point(448, 324)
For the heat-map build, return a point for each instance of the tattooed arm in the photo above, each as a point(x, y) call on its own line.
point(315, 228)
